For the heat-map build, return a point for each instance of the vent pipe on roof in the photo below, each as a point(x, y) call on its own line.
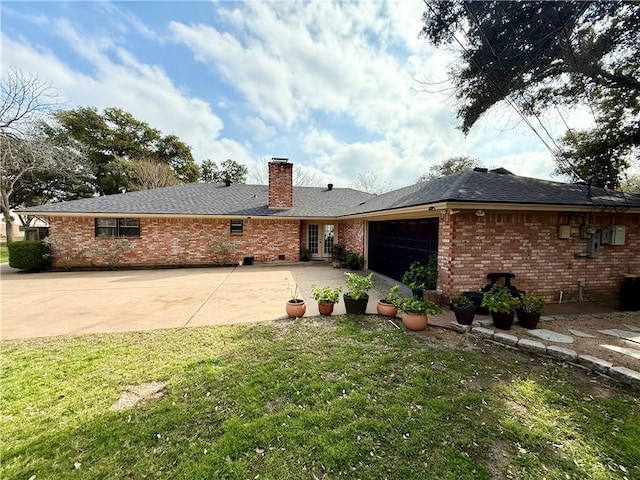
point(330, 186)
point(481, 169)
point(227, 182)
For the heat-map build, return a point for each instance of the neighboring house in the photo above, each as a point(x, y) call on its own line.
point(553, 236)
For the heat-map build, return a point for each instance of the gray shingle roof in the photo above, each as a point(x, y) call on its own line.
point(214, 199)
point(251, 200)
point(494, 187)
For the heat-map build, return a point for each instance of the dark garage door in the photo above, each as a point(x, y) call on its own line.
point(395, 244)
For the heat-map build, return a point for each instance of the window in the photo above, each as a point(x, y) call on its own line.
point(235, 226)
point(117, 227)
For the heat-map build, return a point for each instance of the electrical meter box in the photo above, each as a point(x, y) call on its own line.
point(605, 236)
point(564, 231)
point(618, 233)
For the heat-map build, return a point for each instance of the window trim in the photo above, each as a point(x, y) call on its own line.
point(238, 223)
point(118, 229)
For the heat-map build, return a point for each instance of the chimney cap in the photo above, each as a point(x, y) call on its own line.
point(279, 159)
point(330, 186)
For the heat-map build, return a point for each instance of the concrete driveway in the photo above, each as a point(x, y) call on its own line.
point(62, 303)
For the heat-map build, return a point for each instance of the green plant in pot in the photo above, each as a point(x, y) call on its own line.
point(326, 297)
point(295, 305)
point(305, 254)
point(529, 309)
point(338, 255)
point(416, 278)
point(415, 311)
point(501, 304)
point(464, 309)
point(357, 295)
point(388, 306)
point(354, 261)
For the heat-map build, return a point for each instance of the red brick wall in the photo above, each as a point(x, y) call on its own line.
point(351, 235)
point(527, 245)
point(171, 242)
point(280, 185)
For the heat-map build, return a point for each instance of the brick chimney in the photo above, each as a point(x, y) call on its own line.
point(280, 183)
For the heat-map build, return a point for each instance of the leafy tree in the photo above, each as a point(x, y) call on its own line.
point(115, 141)
point(449, 166)
point(27, 154)
point(539, 55)
point(208, 168)
point(228, 170)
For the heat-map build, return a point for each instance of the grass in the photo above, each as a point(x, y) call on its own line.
point(4, 254)
point(343, 397)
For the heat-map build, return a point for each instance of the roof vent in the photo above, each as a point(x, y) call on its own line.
point(279, 159)
point(481, 169)
point(501, 171)
point(227, 182)
point(330, 186)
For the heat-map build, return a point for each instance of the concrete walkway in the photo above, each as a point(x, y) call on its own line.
point(62, 303)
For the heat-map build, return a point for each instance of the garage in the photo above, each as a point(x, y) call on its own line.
point(395, 244)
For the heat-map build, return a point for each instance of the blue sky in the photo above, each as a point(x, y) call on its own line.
point(332, 86)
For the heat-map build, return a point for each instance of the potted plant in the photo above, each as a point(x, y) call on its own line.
point(529, 309)
point(296, 307)
point(464, 309)
point(501, 304)
point(416, 278)
point(326, 297)
point(356, 298)
point(338, 255)
point(415, 311)
point(354, 261)
point(305, 255)
point(388, 306)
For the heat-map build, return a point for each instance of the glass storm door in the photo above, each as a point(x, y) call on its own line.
point(320, 239)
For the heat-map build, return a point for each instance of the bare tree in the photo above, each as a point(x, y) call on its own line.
point(301, 176)
point(150, 174)
point(370, 182)
point(25, 103)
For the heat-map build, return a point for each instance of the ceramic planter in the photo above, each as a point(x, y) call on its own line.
point(296, 309)
point(527, 319)
point(415, 321)
point(464, 316)
point(357, 307)
point(325, 308)
point(503, 321)
point(386, 309)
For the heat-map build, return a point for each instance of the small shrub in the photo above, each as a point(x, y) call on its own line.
point(418, 305)
point(305, 254)
point(499, 300)
point(30, 255)
point(354, 261)
point(326, 294)
point(531, 303)
point(358, 285)
point(462, 302)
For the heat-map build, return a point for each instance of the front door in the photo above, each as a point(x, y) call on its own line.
point(320, 239)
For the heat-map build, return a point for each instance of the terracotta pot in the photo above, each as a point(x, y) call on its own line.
point(386, 309)
point(415, 321)
point(503, 321)
point(357, 307)
point(325, 308)
point(528, 320)
point(296, 309)
point(464, 316)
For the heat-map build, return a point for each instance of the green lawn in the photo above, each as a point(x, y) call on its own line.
point(4, 254)
point(342, 397)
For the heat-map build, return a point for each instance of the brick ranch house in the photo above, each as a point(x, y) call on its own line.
point(553, 236)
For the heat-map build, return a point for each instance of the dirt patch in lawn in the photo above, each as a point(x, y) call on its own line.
point(135, 394)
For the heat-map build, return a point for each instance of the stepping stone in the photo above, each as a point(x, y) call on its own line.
point(631, 352)
point(578, 333)
point(631, 327)
point(633, 336)
point(486, 323)
point(550, 335)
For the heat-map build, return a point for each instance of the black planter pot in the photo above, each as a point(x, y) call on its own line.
point(528, 320)
point(503, 321)
point(356, 307)
point(464, 316)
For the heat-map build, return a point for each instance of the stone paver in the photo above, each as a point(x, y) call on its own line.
point(631, 327)
point(626, 375)
point(505, 339)
point(631, 352)
point(562, 353)
point(595, 363)
point(581, 334)
point(458, 327)
point(532, 346)
point(550, 336)
point(486, 322)
point(482, 332)
point(632, 336)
